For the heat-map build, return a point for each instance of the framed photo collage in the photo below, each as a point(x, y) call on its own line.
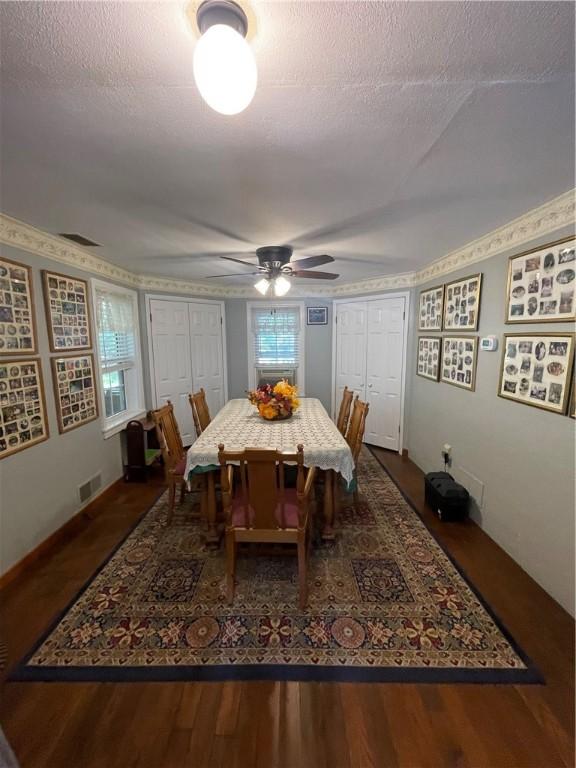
point(453, 307)
point(536, 368)
point(23, 415)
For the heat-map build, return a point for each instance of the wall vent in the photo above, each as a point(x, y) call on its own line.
point(96, 483)
point(85, 491)
point(79, 239)
point(89, 488)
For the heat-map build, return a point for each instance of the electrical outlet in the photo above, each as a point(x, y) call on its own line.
point(447, 454)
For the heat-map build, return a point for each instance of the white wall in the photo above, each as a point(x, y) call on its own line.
point(524, 456)
point(38, 486)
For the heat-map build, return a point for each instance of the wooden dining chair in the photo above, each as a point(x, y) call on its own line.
point(173, 453)
point(200, 411)
point(354, 438)
point(344, 412)
point(263, 509)
point(195, 419)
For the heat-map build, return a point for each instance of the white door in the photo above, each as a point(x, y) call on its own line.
point(384, 370)
point(170, 331)
point(207, 353)
point(350, 349)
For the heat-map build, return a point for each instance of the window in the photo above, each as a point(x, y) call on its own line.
point(276, 350)
point(118, 355)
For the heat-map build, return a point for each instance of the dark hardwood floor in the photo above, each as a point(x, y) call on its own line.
point(296, 725)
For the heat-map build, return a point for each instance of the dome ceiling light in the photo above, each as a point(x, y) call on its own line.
point(224, 65)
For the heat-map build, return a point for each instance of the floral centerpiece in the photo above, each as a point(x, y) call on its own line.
point(275, 402)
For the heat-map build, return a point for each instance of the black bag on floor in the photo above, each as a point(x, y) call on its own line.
point(445, 496)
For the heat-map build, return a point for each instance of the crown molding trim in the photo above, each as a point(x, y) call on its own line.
point(557, 213)
point(26, 237)
point(553, 215)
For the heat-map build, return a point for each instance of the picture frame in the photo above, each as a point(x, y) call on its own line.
point(429, 355)
point(68, 312)
point(459, 361)
point(431, 309)
point(317, 316)
point(23, 416)
point(541, 284)
point(536, 369)
point(75, 390)
point(17, 310)
point(462, 304)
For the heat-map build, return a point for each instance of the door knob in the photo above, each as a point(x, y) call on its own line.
point(369, 385)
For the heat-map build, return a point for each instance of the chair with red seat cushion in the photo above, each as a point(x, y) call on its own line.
point(262, 510)
point(173, 453)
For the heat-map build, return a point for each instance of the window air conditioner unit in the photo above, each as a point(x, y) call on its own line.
point(274, 375)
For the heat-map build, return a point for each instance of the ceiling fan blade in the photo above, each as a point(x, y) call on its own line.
point(313, 274)
point(239, 261)
point(313, 261)
point(230, 274)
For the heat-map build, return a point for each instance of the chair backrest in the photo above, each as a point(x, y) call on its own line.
point(344, 412)
point(168, 435)
point(197, 427)
point(200, 406)
point(355, 433)
point(262, 489)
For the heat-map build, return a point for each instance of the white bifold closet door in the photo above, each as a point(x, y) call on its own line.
point(370, 358)
point(188, 353)
point(384, 366)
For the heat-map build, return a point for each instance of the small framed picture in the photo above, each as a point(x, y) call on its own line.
point(431, 309)
point(536, 369)
point(541, 284)
point(67, 312)
point(429, 353)
point(317, 316)
point(459, 358)
point(17, 321)
point(462, 303)
point(75, 391)
point(23, 420)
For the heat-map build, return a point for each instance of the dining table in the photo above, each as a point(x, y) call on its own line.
point(238, 426)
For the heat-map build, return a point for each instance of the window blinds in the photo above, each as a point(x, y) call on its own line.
point(116, 332)
point(276, 335)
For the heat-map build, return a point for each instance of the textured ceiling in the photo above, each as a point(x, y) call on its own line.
point(386, 134)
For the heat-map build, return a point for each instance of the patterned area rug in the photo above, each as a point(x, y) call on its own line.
point(385, 604)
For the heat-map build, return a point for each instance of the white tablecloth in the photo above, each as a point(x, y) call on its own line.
point(238, 426)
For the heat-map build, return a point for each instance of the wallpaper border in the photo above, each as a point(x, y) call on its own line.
point(538, 222)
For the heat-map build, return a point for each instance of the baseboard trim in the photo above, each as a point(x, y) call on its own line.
point(60, 535)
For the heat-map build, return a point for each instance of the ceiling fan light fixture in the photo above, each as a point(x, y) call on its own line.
point(224, 65)
point(262, 286)
point(281, 286)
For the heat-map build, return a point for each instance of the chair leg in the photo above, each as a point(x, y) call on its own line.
point(182, 491)
point(171, 500)
point(357, 500)
point(203, 500)
point(303, 597)
point(230, 565)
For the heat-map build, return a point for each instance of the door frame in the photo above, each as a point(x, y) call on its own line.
point(148, 297)
point(363, 299)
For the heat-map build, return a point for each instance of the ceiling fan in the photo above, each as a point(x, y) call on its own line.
point(276, 268)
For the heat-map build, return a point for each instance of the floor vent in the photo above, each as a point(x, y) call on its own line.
point(79, 239)
point(89, 488)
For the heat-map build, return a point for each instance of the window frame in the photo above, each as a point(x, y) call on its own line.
point(301, 370)
point(111, 425)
